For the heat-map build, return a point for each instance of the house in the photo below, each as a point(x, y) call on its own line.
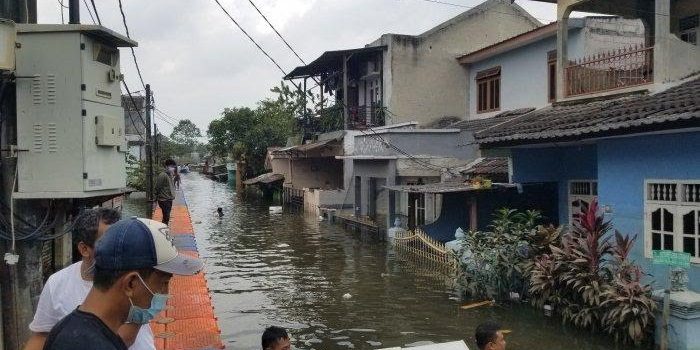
point(623, 128)
point(407, 155)
point(502, 76)
point(313, 177)
point(134, 114)
point(411, 78)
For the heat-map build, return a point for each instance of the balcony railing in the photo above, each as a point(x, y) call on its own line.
point(363, 117)
point(614, 70)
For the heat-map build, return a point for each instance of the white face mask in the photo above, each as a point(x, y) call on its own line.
point(171, 170)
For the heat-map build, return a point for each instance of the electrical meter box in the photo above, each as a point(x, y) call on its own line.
point(70, 121)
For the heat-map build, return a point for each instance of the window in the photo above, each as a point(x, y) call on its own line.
point(581, 194)
point(488, 84)
point(689, 29)
point(672, 217)
point(552, 74)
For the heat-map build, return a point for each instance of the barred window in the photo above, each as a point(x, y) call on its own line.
point(672, 216)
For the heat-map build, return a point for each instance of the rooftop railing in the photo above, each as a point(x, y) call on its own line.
point(618, 69)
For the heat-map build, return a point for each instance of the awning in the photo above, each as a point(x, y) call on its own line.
point(329, 61)
point(265, 179)
point(445, 187)
point(310, 146)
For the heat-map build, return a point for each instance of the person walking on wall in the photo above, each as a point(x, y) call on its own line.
point(164, 191)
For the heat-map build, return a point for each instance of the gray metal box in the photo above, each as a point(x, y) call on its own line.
point(70, 128)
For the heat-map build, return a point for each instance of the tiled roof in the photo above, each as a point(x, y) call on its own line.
point(676, 107)
point(478, 125)
point(488, 166)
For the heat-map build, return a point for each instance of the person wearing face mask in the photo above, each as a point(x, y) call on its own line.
point(164, 192)
point(134, 262)
point(67, 288)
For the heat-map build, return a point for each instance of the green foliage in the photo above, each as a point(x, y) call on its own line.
point(186, 133)
point(590, 281)
point(135, 173)
point(245, 134)
point(495, 263)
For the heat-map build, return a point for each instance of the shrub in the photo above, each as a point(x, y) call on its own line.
point(590, 281)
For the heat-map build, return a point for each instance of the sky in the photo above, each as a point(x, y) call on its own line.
point(198, 63)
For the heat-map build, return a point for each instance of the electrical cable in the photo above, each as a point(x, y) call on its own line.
point(166, 115)
point(133, 102)
point(133, 52)
point(96, 13)
point(250, 37)
point(277, 32)
point(62, 6)
point(87, 7)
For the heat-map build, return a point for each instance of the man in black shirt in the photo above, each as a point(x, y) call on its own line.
point(134, 261)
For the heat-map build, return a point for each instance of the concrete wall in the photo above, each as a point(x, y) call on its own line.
point(385, 172)
point(624, 164)
point(315, 198)
point(424, 81)
point(325, 173)
point(445, 143)
point(555, 164)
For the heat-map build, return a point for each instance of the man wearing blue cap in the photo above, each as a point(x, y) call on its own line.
point(134, 261)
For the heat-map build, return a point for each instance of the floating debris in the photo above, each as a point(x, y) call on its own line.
point(347, 296)
point(282, 245)
point(365, 330)
point(373, 343)
point(478, 304)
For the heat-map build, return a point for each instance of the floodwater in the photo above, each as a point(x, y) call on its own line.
point(292, 271)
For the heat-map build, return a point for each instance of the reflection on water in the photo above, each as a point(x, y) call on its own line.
point(284, 269)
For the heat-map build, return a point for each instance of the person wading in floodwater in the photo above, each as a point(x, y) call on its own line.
point(66, 289)
point(164, 191)
point(134, 262)
point(275, 338)
point(489, 336)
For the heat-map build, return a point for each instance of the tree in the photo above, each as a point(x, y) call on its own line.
point(245, 134)
point(185, 132)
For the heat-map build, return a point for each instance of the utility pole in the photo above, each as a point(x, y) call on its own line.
point(149, 144)
point(73, 11)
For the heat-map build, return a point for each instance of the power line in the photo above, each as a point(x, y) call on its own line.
point(87, 7)
point(277, 32)
point(138, 111)
point(167, 115)
point(62, 6)
point(96, 14)
point(133, 52)
point(251, 38)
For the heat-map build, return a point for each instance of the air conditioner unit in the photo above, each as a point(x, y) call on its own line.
point(70, 124)
point(8, 34)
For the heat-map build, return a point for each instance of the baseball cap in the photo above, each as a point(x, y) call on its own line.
point(139, 243)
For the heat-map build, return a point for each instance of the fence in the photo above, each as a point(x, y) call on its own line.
point(426, 250)
point(613, 70)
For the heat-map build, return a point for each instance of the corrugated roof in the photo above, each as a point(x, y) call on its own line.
point(309, 146)
point(676, 107)
point(265, 179)
point(477, 125)
point(328, 61)
point(488, 166)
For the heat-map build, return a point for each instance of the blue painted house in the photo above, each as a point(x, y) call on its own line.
point(617, 118)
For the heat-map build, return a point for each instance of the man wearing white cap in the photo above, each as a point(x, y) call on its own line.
point(134, 262)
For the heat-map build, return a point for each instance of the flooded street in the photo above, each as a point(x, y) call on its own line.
point(284, 269)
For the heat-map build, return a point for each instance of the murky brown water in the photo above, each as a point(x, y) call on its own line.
point(284, 269)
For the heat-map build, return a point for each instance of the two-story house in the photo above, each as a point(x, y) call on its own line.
point(623, 127)
point(411, 78)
